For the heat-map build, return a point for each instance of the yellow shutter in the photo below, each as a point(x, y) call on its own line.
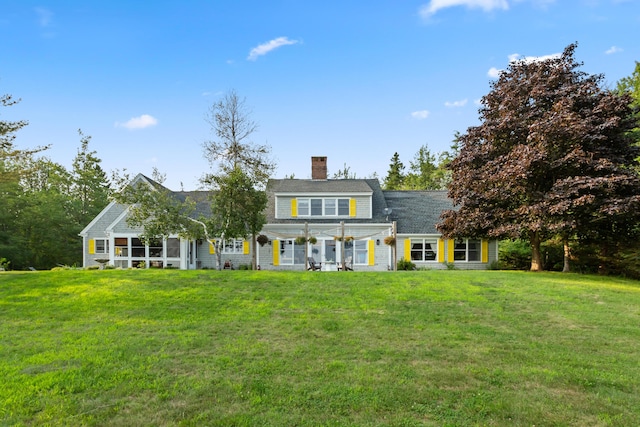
point(352, 207)
point(212, 249)
point(245, 247)
point(485, 250)
point(294, 207)
point(275, 245)
point(440, 250)
point(92, 246)
point(372, 258)
point(450, 246)
point(407, 249)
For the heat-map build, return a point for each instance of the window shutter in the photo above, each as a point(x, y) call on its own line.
point(451, 244)
point(407, 249)
point(245, 247)
point(92, 246)
point(294, 207)
point(352, 207)
point(372, 257)
point(440, 250)
point(212, 249)
point(485, 250)
point(275, 246)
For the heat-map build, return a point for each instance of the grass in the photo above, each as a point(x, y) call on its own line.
point(434, 348)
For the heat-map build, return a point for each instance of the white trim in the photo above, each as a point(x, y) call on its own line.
point(325, 194)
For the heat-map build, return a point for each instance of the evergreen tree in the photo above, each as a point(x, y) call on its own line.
point(395, 176)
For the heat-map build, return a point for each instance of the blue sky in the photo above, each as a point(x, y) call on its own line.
point(354, 80)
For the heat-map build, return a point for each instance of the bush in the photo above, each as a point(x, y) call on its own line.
point(514, 254)
point(404, 264)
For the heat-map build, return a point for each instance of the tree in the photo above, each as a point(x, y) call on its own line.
point(422, 175)
point(395, 175)
point(231, 123)
point(344, 173)
point(89, 183)
point(552, 156)
point(243, 169)
point(237, 209)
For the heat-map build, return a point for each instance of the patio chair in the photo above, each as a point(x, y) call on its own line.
point(348, 264)
point(313, 265)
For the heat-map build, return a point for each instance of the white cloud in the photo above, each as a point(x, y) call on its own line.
point(267, 47)
point(613, 49)
point(434, 6)
point(420, 115)
point(494, 73)
point(45, 16)
point(144, 121)
point(528, 59)
point(460, 103)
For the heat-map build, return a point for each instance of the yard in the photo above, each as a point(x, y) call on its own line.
point(264, 348)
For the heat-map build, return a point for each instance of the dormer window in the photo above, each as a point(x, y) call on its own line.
point(323, 207)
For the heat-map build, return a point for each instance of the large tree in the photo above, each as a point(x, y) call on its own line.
point(232, 125)
point(90, 184)
point(243, 169)
point(552, 156)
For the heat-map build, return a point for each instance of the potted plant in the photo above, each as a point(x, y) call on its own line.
point(262, 239)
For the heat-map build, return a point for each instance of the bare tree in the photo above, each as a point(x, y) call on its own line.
point(232, 125)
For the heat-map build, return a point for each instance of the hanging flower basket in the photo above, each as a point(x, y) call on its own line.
point(300, 240)
point(262, 239)
point(390, 241)
point(348, 238)
point(313, 240)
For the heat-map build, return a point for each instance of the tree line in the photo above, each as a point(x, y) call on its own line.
point(555, 159)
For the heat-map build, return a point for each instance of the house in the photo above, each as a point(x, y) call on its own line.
point(335, 222)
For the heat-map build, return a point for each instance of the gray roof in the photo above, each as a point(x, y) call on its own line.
point(417, 212)
point(321, 185)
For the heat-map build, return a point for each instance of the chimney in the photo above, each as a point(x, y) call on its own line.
point(319, 167)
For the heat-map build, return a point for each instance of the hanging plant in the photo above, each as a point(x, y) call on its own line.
point(300, 240)
point(348, 238)
point(390, 241)
point(262, 239)
point(337, 238)
point(313, 240)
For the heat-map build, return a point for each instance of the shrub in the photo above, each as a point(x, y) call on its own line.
point(404, 264)
point(515, 254)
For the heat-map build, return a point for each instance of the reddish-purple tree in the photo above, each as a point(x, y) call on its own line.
point(553, 155)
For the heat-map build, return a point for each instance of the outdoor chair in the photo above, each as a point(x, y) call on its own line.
point(348, 264)
point(313, 265)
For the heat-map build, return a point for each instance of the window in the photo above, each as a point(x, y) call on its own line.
point(155, 249)
point(122, 246)
point(357, 250)
point(466, 250)
point(323, 207)
point(343, 207)
point(233, 246)
point(303, 207)
point(137, 248)
point(102, 246)
point(173, 248)
point(316, 207)
point(424, 249)
point(290, 253)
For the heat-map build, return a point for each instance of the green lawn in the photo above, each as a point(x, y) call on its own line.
point(243, 348)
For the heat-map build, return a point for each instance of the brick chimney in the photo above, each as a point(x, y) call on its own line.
point(319, 167)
